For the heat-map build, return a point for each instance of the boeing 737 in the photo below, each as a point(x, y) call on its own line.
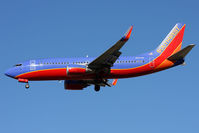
point(79, 73)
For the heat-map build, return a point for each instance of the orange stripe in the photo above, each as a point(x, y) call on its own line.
point(166, 63)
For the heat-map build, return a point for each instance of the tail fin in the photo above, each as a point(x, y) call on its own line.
point(169, 46)
point(173, 41)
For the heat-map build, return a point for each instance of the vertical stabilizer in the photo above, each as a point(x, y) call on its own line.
point(173, 41)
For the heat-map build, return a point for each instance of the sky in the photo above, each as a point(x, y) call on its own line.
point(165, 102)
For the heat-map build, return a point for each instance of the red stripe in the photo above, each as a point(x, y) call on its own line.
point(49, 74)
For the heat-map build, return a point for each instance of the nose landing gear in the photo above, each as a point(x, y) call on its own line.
point(24, 81)
point(27, 85)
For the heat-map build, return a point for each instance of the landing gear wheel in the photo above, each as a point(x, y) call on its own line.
point(27, 86)
point(97, 88)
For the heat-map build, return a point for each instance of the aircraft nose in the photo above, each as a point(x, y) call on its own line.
point(9, 73)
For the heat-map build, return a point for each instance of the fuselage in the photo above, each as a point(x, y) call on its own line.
point(75, 68)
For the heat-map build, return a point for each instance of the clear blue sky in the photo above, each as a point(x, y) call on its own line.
point(165, 102)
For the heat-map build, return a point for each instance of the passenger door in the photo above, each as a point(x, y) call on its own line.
point(32, 65)
point(151, 62)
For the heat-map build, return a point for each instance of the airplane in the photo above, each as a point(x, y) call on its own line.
point(79, 73)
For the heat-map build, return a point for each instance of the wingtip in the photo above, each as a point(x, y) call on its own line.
point(127, 34)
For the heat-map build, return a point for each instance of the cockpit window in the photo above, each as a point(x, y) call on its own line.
point(18, 65)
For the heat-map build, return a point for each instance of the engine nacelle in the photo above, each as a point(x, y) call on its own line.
point(77, 69)
point(74, 84)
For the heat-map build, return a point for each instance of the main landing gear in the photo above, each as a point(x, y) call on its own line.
point(97, 88)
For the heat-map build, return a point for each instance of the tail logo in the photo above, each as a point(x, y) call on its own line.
point(168, 40)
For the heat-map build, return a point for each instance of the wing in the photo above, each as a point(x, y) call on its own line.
point(108, 58)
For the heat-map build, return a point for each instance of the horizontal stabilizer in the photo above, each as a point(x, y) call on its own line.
point(181, 54)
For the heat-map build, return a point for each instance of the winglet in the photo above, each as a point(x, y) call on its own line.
point(114, 82)
point(127, 34)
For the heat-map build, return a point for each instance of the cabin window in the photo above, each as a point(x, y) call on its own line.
point(18, 65)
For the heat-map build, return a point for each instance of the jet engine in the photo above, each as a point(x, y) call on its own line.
point(74, 84)
point(77, 69)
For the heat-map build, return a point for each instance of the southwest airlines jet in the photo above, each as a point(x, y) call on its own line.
point(79, 73)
